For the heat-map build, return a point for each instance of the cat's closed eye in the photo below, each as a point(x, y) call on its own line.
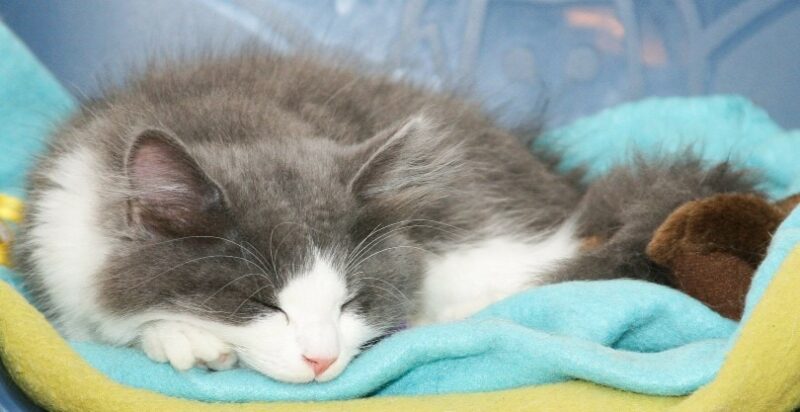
point(268, 305)
point(349, 303)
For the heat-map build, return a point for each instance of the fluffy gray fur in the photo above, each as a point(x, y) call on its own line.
point(278, 153)
point(625, 207)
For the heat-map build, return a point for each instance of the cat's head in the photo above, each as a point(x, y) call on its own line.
point(294, 251)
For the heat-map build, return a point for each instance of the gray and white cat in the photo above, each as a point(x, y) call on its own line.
point(285, 212)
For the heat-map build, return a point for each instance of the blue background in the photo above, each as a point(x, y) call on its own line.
point(580, 56)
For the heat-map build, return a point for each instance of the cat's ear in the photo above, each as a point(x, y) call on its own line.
point(407, 161)
point(170, 193)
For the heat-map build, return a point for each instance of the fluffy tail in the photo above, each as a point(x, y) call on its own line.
point(623, 209)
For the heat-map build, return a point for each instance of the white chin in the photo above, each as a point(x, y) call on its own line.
point(286, 376)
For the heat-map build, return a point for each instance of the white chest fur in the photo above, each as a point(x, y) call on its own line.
point(68, 246)
point(471, 277)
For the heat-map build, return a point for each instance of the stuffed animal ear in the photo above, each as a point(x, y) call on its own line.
point(171, 195)
point(403, 160)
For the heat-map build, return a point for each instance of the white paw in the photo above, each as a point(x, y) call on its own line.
point(185, 346)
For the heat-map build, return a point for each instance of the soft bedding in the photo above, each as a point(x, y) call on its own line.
point(623, 334)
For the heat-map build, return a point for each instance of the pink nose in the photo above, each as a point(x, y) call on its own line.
point(319, 365)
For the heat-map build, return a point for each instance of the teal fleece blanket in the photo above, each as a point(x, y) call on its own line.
point(625, 334)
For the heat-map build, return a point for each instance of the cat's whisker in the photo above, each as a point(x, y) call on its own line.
point(377, 229)
point(253, 250)
point(361, 248)
point(390, 249)
point(150, 245)
point(395, 291)
point(377, 232)
point(389, 233)
point(285, 236)
point(272, 246)
point(196, 308)
point(152, 278)
point(261, 265)
point(245, 300)
point(236, 279)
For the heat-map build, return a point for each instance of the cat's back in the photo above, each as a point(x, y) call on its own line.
point(300, 108)
point(265, 94)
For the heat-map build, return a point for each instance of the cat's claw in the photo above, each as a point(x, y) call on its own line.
point(185, 346)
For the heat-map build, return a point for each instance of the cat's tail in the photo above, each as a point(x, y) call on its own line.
point(621, 211)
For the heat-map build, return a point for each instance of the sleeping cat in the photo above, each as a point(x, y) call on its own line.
point(285, 212)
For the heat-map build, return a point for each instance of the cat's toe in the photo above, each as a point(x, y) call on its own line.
point(152, 347)
point(178, 350)
point(205, 346)
point(213, 352)
point(223, 362)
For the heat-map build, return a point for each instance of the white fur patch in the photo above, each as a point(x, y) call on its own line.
point(275, 344)
point(312, 302)
point(68, 246)
point(467, 279)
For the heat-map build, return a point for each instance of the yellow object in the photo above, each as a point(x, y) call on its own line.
point(10, 208)
point(762, 372)
point(10, 211)
point(5, 254)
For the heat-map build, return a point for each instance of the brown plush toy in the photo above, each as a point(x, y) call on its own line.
point(713, 246)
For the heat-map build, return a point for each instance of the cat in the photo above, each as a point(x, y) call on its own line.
point(284, 212)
